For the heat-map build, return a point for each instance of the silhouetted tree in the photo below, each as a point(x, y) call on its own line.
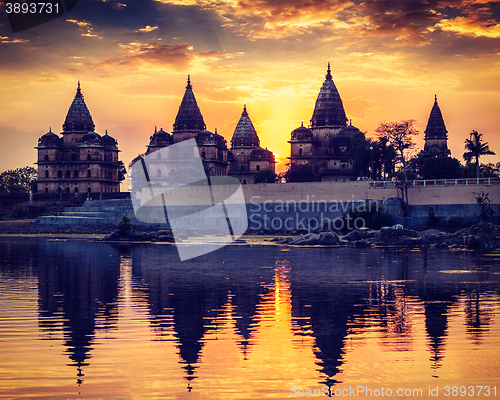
point(302, 173)
point(490, 170)
point(432, 165)
point(122, 171)
point(475, 149)
point(400, 134)
point(265, 176)
point(21, 180)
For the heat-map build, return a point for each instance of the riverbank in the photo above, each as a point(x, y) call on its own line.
point(482, 235)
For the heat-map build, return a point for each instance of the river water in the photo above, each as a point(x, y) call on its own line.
point(83, 319)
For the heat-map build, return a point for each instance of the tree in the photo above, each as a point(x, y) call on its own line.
point(302, 173)
point(21, 180)
point(400, 135)
point(475, 149)
point(265, 176)
point(122, 171)
point(484, 202)
point(358, 151)
point(441, 168)
point(490, 170)
point(387, 156)
point(432, 165)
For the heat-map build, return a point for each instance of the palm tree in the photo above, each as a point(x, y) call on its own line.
point(475, 149)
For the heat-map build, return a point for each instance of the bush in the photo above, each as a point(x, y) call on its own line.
point(124, 225)
point(373, 219)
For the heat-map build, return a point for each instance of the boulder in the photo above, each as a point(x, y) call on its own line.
point(352, 236)
point(328, 238)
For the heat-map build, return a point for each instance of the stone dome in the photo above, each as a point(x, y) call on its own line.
point(50, 139)
point(262, 154)
point(208, 138)
point(91, 139)
point(160, 139)
point(109, 141)
point(302, 133)
point(349, 130)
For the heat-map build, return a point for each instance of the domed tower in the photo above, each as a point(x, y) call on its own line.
point(189, 120)
point(80, 161)
point(247, 157)
point(302, 145)
point(158, 140)
point(213, 152)
point(326, 141)
point(436, 133)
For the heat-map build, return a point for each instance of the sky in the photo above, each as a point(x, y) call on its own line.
point(132, 57)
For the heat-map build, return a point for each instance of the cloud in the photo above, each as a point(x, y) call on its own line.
point(84, 26)
point(6, 39)
point(159, 54)
point(471, 27)
point(269, 18)
point(147, 29)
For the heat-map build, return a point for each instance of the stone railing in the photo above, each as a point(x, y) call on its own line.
point(438, 182)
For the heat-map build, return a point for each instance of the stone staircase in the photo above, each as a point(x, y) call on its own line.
point(93, 212)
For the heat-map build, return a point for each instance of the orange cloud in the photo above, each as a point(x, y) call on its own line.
point(6, 39)
point(84, 25)
point(147, 29)
point(471, 27)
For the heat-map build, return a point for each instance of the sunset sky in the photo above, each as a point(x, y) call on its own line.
point(388, 60)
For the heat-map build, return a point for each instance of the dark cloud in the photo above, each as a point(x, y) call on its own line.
point(159, 54)
point(390, 16)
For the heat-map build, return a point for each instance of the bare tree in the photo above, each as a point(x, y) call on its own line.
point(400, 134)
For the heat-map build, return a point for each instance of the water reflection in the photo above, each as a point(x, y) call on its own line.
point(76, 287)
point(334, 302)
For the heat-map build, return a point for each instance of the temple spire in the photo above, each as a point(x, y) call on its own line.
point(435, 132)
point(78, 91)
point(189, 116)
point(329, 110)
point(78, 118)
point(328, 75)
point(245, 135)
point(435, 124)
